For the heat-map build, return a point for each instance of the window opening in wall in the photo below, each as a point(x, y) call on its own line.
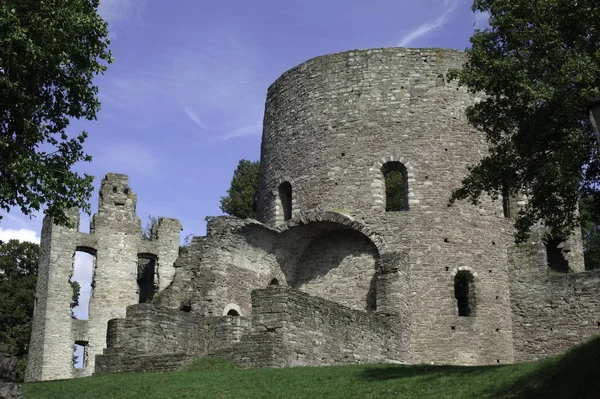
point(554, 255)
point(396, 186)
point(285, 200)
point(233, 312)
point(146, 277)
point(274, 282)
point(81, 282)
point(505, 200)
point(80, 354)
point(464, 293)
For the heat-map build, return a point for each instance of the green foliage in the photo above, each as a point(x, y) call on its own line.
point(147, 230)
point(539, 64)
point(76, 288)
point(187, 241)
point(394, 191)
point(240, 200)
point(590, 231)
point(18, 277)
point(50, 51)
point(574, 375)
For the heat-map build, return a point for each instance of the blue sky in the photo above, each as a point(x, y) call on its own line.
point(183, 101)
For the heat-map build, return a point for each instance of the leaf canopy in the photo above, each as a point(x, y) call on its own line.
point(538, 63)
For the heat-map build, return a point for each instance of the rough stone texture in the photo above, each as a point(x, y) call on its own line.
point(165, 338)
point(551, 311)
point(9, 389)
point(292, 328)
point(336, 278)
point(115, 241)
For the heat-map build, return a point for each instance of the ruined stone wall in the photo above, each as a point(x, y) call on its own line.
point(333, 124)
point(165, 338)
point(292, 328)
point(340, 266)
point(224, 267)
point(551, 311)
point(115, 241)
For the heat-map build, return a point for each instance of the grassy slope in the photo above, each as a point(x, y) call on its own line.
point(573, 375)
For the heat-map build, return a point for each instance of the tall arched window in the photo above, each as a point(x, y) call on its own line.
point(284, 202)
point(396, 186)
point(464, 292)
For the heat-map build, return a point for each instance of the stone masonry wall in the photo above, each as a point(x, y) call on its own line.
point(166, 337)
point(355, 112)
point(292, 328)
point(551, 311)
point(115, 241)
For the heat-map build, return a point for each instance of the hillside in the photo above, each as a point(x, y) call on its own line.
point(575, 374)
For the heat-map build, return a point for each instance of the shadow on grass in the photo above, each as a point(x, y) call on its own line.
point(574, 375)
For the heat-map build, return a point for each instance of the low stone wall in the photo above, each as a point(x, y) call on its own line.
point(157, 338)
point(9, 389)
point(553, 312)
point(292, 328)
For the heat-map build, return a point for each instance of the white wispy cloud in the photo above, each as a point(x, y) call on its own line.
point(248, 130)
point(19, 234)
point(216, 76)
point(116, 11)
point(194, 117)
point(429, 26)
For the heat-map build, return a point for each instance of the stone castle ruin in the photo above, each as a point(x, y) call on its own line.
point(327, 274)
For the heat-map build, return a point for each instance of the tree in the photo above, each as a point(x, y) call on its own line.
point(76, 288)
point(147, 230)
point(240, 200)
point(538, 63)
point(50, 52)
point(18, 277)
point(394, 191)
point(590, 231)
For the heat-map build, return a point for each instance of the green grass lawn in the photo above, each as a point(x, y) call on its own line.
point(573, 375)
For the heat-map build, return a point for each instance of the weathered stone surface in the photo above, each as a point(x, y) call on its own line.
point(116, 243)
point(326, 275)
point(9, 389)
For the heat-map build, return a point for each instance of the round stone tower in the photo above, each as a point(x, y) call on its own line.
point(334, 127)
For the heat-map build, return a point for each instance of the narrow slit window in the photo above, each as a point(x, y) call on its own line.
point(396, 186)
point(506, 201)
point(285, 202)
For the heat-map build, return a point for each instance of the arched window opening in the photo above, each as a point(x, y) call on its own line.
point(396, 186)
point(233, 312)
point(285, 202)
point(82, 282)
point(555, 257)
point(464, 292)
point(274, 282)
point(147, 284)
